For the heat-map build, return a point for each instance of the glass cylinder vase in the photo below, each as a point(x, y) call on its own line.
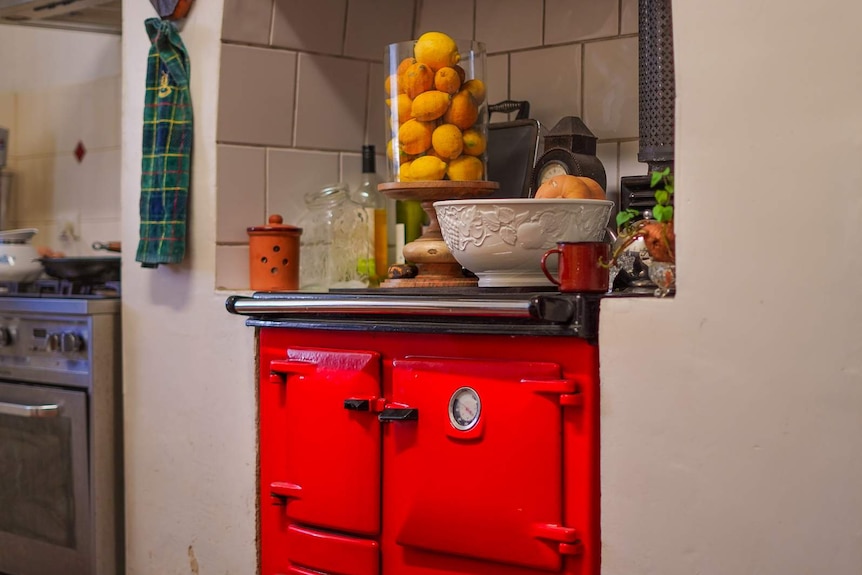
point(435, 109)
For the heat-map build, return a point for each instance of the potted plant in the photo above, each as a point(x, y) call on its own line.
point(657, 232)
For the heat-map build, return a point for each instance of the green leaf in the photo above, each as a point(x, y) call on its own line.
point(625, 216)
point(655, 179)
point(663, 213)
point(662, 197)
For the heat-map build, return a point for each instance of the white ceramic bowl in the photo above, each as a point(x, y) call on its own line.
point(502, 240)
point(18, 257)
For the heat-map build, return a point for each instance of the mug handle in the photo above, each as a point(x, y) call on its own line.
point(545, 257)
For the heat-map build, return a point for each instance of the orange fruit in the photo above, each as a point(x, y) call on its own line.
point(463, 111)
point(474, 142)
point(404, 64)
point(417, 79)
point(429, 105)
point(568, 186)
point(414, 137)
point(447, 80)
point(447, 141)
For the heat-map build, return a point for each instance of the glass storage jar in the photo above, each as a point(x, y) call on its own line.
point(334, 245)
point(435, 109)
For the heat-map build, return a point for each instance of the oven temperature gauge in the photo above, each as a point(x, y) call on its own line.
point(464, 408)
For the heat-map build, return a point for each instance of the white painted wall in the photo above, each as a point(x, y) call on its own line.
point(188, 372)
point(732, 415)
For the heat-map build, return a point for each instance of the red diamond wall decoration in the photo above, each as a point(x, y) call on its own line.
point(80, 152)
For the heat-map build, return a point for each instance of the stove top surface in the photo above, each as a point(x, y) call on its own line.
point(60, 289)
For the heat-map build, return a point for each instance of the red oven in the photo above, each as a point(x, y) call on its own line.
point(430, 440)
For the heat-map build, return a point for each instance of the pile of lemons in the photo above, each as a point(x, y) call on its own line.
point(434, 114)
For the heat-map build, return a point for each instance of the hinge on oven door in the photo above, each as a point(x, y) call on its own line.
point(279, 369)
point(567, 537)
point(569, 390)
point(371, 403)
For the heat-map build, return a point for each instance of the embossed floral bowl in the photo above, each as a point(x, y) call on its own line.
point(502, 240)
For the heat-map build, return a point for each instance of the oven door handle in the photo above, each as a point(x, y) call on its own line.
point(21, 410)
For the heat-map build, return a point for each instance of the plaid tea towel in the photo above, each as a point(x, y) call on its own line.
point(167, 145)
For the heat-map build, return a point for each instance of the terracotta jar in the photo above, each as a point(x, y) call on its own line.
point(273, 252)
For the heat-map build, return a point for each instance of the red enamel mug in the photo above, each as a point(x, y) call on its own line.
point(580, 266)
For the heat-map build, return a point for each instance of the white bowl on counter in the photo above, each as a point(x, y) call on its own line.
point(19, 259)
point(502, 240)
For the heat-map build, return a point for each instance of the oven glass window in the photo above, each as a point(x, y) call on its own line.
point(36, 479)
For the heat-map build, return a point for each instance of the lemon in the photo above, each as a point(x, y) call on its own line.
point(404, 172)
point(401, 108)
point(437, 50)
point(447, 141)
point(474, 142)
point(476, 87)
point(414, 137)
point(429, 105)
point(465, 168)
point(427, 168)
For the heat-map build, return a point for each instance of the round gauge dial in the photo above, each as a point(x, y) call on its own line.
point(551, 169)
point(554, 162)
point(464, 408)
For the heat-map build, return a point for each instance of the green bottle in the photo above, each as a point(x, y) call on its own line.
point(409, 219)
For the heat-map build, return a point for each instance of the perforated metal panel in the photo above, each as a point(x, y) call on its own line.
point(657, 86)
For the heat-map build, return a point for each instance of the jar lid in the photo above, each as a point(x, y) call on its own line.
point(275, 226)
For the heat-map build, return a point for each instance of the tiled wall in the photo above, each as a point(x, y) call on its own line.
point(60, 88)
point(72, 203)
point(299, 90)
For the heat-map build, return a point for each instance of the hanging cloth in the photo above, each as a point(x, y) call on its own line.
point(167, 146)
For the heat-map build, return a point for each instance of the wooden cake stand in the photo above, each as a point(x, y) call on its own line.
point(436, 264)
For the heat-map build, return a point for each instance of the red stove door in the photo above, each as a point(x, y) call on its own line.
point(329, 552)
point(330, 447)
point(478, 474)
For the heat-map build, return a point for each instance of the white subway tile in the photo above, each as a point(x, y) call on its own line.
point(374, 24)
point(611, 88)
point(320, 28)
point(256, 96)
point(571, 20)
point(452, 17)
point(247, 21)
point(331, 103)
point(241, 184)
point(505, 25)
point(232, 269)
point(497, 82)
point(629, 19)
point(550, 79)
point(293, 173)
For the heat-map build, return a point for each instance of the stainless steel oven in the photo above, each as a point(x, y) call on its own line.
point(60, 435)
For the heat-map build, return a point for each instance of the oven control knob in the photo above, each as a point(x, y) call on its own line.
point(6, 338)
point(71, 342)
point(52, 342)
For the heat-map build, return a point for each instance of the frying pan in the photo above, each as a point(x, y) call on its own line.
point(108, 246)
point(92, 269)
